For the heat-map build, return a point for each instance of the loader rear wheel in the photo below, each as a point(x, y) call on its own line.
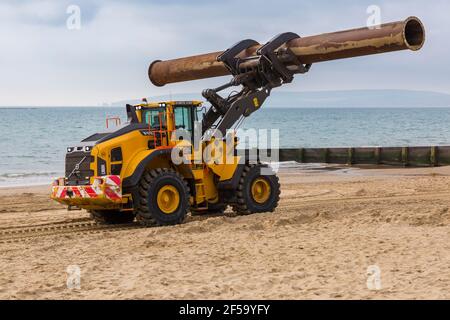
point(257, 191)
point(163, 198)
point(111, 217)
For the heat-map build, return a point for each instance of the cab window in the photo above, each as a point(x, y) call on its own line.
point(155, 117)
point(183, 118)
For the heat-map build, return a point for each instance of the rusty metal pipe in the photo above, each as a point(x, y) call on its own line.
point(401, 35)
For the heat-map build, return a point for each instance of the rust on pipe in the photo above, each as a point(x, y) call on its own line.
point(401, 35)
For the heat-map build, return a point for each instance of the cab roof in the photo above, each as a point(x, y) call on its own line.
point(194, 103)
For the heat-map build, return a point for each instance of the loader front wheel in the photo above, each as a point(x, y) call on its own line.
point(163, 198)
point(258, 191)
point(111, 217)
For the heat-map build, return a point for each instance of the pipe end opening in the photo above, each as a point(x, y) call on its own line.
point(414, 33)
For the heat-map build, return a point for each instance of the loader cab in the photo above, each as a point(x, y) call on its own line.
point(164, 118)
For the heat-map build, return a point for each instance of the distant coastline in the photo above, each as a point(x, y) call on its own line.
point(314, 99)
point(334, 99)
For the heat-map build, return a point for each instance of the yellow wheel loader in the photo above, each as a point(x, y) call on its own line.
point(130, 173)
point(148, 171)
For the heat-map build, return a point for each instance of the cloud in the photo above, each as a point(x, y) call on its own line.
point(43, 63)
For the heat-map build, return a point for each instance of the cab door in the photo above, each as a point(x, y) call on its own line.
point(185, 117)
point(184, 120)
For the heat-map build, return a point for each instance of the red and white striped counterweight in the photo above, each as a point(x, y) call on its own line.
point(104, 190)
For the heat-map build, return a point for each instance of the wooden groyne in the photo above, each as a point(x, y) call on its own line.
point(394, 156)
point(399, 156)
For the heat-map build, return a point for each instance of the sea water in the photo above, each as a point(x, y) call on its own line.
point(34, 140)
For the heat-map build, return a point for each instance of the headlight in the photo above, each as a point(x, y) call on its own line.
point(87, 149)
point(70, 149)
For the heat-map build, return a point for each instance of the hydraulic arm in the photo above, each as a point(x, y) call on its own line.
point(257, 80)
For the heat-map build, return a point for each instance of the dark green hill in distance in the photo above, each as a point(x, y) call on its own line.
point(335, 99)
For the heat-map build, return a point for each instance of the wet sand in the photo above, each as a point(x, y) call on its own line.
point(330, 227)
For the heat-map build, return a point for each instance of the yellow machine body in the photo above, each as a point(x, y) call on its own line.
point(146, 143)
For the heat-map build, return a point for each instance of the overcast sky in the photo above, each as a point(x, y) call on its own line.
point(42, 62)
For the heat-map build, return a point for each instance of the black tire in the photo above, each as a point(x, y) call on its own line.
point(216, 208)
point(147, 212)
point(111, 217)
point(246, 204)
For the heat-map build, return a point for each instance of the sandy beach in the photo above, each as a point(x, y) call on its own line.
point(330, 227)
